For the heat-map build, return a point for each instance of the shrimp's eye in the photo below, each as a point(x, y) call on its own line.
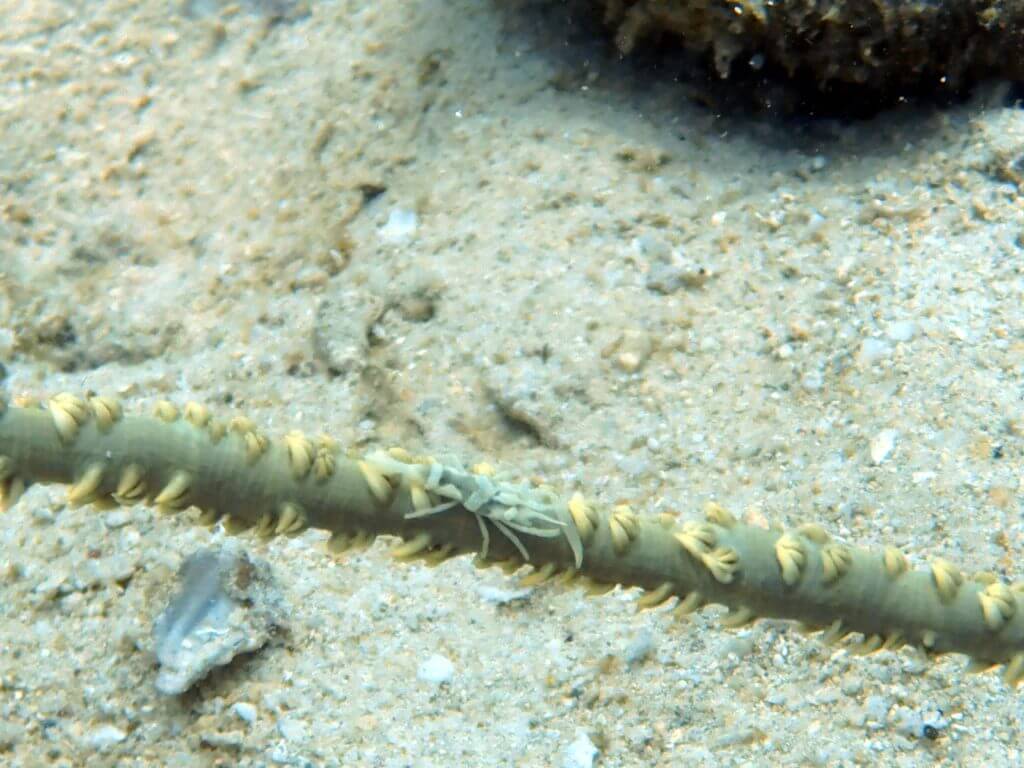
point(931, 732)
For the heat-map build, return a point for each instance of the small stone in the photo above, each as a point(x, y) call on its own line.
point(908, 722)
point(640, 736)
point(367, 723)
point(827, 696)
point(882, 445)
point(48, 589)
point(901, 331)
point(873, 350)
point(653, 247)
point(244, 711)
point(117, 518)
point(784, 351)
point(233, 740)
point(499, 596)
point(629, 362)
point(640, 648)
point(708, 345)
point(634, 348)
point(738, 736)
point(812, 381)
point(581, 753)
point(42, 515)
point(876, 709)
point(437, 670)
point(11, 571)
point(400, 226)
point(104, 737)
point(852, 685)
point(107, 570)
point(291, 729)
point(739, 646)
point(228, 605)
point(634, 466)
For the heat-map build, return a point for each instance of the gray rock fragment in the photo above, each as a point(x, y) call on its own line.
point(228, 604)
point(104, 737)
point(499, 596)
point(291, 729)
point(581, 753)
point(118, 518)
point(245, 711)
point(436, 669)
point(872, 351)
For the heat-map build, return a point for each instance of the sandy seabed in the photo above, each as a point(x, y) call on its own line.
point(467, 227)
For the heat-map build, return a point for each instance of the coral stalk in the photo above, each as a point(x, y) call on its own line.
point(230, 472)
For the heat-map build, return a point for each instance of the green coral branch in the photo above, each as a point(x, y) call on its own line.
point(230, 472)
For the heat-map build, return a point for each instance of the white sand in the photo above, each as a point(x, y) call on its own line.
point(598, 283)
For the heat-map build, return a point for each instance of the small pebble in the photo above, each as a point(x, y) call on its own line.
point(400, 226)
point(633, 466)
point(437, 669)
point(882, 445)
point(117, 518)
point(852, 685)
point(233, 740)
point(877, 708)
point(708, 344)
point(654, 247)
point(737, 736)
point(104, 737)
point(640, 736)
point(873, 350)
point(499, 596)
point(49, 588)
point(43, 515)
point(245, 711)
point(635, 348)
point(901, 331)
point(291, 729)
point(739, 646)
point(227, 604)
point(813, 381)
point(581, 753)
point(640, 648)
